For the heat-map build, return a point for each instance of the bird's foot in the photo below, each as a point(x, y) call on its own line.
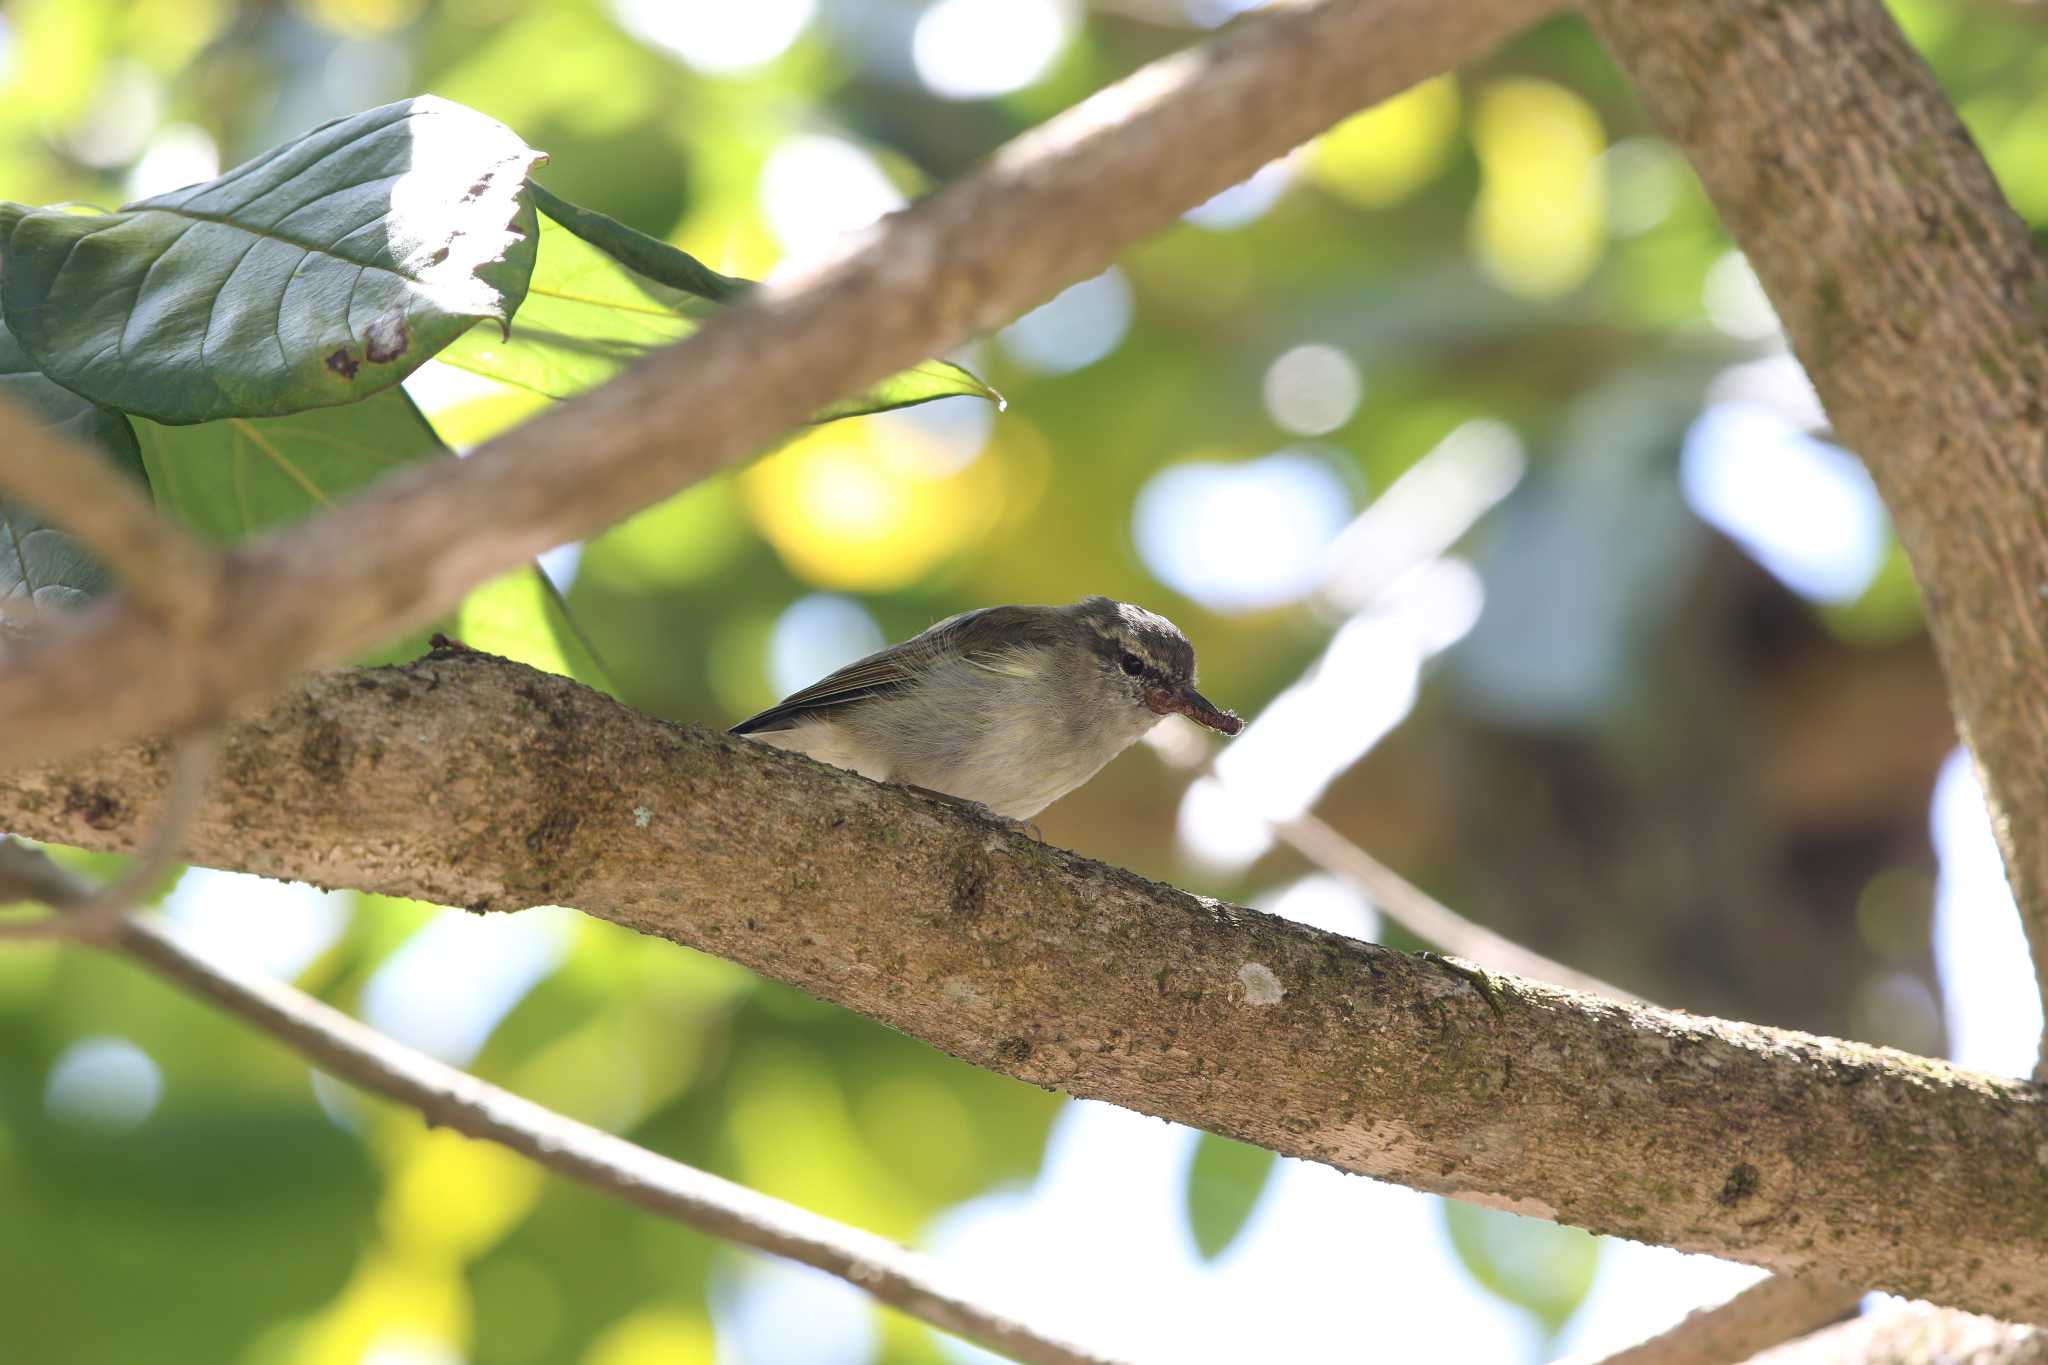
point(1024, 827)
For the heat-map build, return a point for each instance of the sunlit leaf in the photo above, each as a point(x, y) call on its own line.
point(321, 272)
point(1544, 1267)
point(603, 295)
point(48, 566)
point(1225, 1180)
point(521, 615)
point(651, 257)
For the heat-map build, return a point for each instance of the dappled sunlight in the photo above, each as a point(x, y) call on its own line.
point(1541, 221)
point(1993, 1009)
point(1312, 389)
point(1804, 509)
point(1239, 537)
point(1383, 155)
point(854, 506)
point(816, 188)
point(816, 635)
point(1245, 202)
point(106, 1083)
point(978, 49)
point(717, 37)
point(1080, 325)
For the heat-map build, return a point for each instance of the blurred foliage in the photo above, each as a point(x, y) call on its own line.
point(1225, 1180)
point(1511, 243)
point(1541, 1266)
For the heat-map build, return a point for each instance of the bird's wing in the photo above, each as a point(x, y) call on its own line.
point(878, 675)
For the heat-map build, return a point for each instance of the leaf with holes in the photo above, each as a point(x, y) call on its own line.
point(322, 272)
point(37, 561)
point(603, 295)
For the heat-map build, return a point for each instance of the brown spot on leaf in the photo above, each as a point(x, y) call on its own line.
point(385, 340)
point(342, 363)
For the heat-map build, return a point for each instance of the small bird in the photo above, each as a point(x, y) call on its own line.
point(1010, 707)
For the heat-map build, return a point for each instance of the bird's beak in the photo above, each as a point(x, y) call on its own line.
point(1196, 707)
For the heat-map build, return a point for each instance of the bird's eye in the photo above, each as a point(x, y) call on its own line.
point(1131, 664)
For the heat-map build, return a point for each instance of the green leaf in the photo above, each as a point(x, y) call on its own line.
point(1225, 1180)
point(231, 478)
point(322, 272)
point(48, 566)
point(522, 616)
point(586, 318)
point(603, 295)
point(921, 383)
point(648, 256)
point(1544, 1267)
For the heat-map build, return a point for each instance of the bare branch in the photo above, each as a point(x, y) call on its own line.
point(1918, 304)
point(1054, 206)
point(1767, 1314)
point(611, 1165)
point(170, 574)
point(469, 780)
point(1423, 915)
point(1915, 1334)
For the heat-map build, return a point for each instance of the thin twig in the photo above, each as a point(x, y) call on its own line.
point(91, 915)
point(719, 1208)
point(173, 575)
point(1399, 899)
point(1423, 915)
point(1768, 1313)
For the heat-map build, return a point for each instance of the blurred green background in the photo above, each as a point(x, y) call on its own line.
point(1626, 665)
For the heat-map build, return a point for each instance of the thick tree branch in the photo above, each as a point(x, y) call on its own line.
point(472, 781)
point(1052, 207)
point(1916, 301)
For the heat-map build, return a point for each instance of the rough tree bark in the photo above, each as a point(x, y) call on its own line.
point(1916, 301)
point(473, 781)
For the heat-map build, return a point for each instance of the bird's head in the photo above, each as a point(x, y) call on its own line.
point(1148, 661)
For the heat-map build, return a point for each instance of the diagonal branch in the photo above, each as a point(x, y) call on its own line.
point(1054, 206)
point(611, 1165)
point(1919, 306)
point(470, 780)
point(1769, 1313)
